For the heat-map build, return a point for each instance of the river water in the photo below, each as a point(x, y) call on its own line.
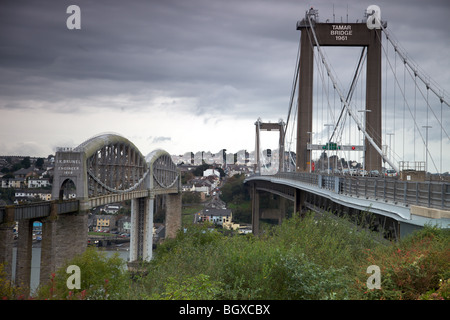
point(36, 261)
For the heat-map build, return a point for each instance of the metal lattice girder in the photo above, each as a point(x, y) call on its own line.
point(164, 171)
point(109, 168)
point(114, 165)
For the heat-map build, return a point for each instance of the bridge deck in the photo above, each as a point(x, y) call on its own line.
point(416, 203)
point(37, 210)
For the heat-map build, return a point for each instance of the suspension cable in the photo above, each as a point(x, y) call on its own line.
point(352, 88)
point(294, 82)
point(409, 108)
point(415, 68)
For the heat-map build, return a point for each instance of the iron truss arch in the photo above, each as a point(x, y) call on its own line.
point(113, 165)
point(164, 172)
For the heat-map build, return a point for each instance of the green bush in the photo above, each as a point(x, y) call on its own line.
point(413, 267)
point(198, 287)
point(306, 280)
point(311, 257)
point(8, 291)
point(101, 278)
point(304, 258)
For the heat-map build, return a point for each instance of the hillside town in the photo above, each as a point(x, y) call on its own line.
point(26, 179)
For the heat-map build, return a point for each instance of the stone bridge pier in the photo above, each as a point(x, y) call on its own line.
point(63, 237)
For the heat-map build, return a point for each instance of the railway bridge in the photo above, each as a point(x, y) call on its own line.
point(106, 168)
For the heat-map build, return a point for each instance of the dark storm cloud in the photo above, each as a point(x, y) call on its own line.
point(197, 49)
point(185, 48)
point(208, 58)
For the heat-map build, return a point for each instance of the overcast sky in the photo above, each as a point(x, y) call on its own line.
point(179, 75)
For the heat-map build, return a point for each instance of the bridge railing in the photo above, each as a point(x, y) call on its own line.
point(31, 211)
point(428, 194)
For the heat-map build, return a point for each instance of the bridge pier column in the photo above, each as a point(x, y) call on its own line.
point(141, 243)
point(282, 209)
point(48, 245)
point(63, 237)
point(71, 235)
point(6, 241)
point(23, 259)
point(255, 210)
point(299, 202)
point(173, 214)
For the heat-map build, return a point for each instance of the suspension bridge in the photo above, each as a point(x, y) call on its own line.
point(363, 146)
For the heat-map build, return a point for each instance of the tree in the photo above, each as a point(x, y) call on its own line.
point(39, 163)
point(222, 173)
point(198, 172)
point(186, 176)
point(26, 162)
point(191, 197)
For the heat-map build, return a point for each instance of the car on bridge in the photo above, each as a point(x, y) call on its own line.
point(374, 173)
point(363, 173)
point(391, 173)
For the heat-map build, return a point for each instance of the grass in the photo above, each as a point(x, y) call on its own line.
point(187, 214)
point(102, 234)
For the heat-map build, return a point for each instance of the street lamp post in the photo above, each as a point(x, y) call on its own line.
point(426, 148)
point(310, 150)
point(328, 144)
point(364, 142)
point(390, 145)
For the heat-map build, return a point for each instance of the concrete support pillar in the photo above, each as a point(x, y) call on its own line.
point(300, 198)
point(305, 102)
point(141, 243)
point(282, 209)
point(148, 243)
point(6, 241)
point(255, 210)
point(23, 260)
point(135, 231)
point(373, 100)
point(173, 214)
point(48, 246)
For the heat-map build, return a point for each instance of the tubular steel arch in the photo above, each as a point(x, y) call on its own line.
point(109, 168)
point(164, 173)
point(113, 165)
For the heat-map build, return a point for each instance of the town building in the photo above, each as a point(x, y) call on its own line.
point(32, 194)
point(216, 216)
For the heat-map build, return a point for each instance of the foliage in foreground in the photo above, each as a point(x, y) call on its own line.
point(304, 258)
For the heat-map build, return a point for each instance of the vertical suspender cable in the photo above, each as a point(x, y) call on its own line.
point(442, 129)
point(404, 110)
point(415, 108)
